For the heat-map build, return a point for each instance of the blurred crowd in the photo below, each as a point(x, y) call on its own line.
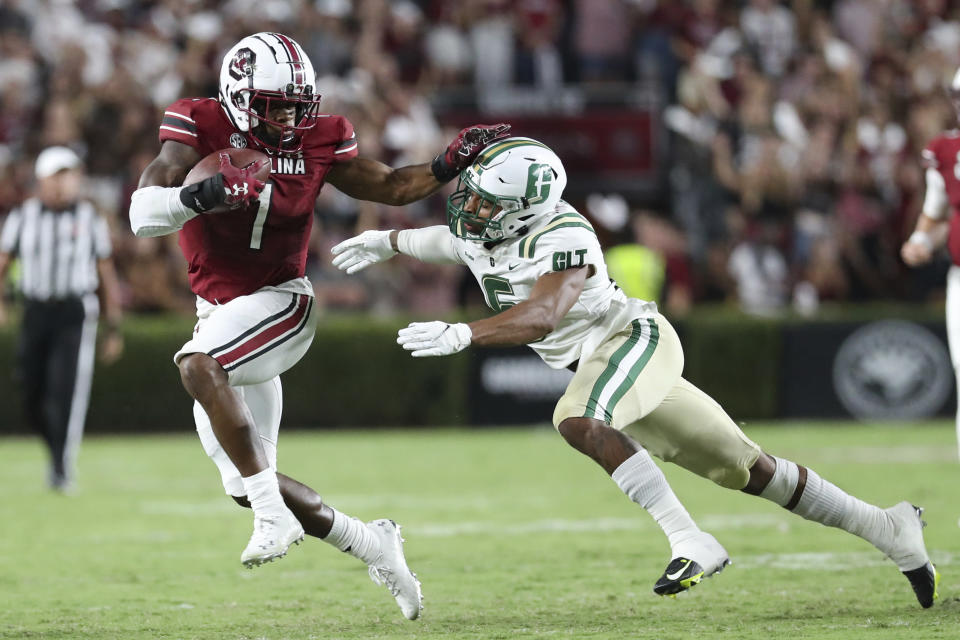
point(793, 129)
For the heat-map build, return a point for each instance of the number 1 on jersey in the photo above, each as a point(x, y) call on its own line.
point(257, 234)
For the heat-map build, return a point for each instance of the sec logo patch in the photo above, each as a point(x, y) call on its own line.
point(237, 141)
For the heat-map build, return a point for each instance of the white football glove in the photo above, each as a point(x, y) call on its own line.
point(434, 338)
point(359, 252)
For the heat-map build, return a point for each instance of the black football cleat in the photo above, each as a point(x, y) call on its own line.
point(697, 557)
point(908, 550)
point(680, 575)
point(924, 581)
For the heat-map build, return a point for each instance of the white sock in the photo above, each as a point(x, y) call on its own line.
point(828, 504)
point(644, 483)
point(263, 493)
point(351, 536)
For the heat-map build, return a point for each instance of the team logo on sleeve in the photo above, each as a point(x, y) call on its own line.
point(237, 141)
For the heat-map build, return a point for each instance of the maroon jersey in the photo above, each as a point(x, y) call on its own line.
point(235, 253)
point(943, 154)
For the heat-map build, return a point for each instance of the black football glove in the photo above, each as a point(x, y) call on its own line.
point(461, 153)
point(232, 187)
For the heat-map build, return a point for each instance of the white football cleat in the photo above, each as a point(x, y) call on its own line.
point(910, 553)
point(390, 568)
point(694, 559)
point(272, 536)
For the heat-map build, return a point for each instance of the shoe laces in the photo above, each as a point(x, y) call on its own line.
point(385, 576)
point(266, 527)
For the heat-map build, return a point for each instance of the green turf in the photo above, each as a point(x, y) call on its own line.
point(513, 534)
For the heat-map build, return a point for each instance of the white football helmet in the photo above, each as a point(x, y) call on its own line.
point(510, 184)
point(261, 71)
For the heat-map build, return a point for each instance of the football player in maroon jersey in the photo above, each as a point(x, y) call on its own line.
point(939, 222)
point(245, 242)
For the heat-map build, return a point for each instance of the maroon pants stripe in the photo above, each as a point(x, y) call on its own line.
point(265, 336)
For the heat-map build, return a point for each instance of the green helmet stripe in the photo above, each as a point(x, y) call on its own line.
point(499, 147)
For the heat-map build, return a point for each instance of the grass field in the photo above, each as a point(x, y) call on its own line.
point(513, 535)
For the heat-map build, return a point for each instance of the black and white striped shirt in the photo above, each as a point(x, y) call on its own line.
point(58, 250)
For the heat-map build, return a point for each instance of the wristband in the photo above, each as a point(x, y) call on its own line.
point(204, 195)
point(922, 238)
point(442, 171)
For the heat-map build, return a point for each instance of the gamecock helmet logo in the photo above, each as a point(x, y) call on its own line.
point(242, 64)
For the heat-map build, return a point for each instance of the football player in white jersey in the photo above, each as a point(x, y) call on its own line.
point(542, 271)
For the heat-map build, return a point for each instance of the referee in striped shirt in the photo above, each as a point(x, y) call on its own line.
point(66, 275)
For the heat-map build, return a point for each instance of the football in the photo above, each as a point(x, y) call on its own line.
point(210, 165)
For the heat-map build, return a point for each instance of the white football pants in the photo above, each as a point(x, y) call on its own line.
point(953, 332)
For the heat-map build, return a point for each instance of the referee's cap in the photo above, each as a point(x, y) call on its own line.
point(55, 159)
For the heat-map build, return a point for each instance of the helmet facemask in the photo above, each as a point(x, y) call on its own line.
point(258, 103)
point(510, 185)
point(485, 220)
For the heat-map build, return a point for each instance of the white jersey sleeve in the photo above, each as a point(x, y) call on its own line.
point(430, 244)
point(568, 241)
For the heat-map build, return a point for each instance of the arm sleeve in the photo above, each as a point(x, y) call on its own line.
point(935, 199)
point(10, 236)
point(347, 147)
point(158, 211)
point(430, 244)
point(178, 124)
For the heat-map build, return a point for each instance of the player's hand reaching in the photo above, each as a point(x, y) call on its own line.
point(231, 188)
point(461, 153)
point(434, 338)
point(359, 252)
point(917, 250)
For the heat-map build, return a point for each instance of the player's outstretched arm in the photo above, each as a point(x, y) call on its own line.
point(551, 298)
point(367, 179)
point(430, 244)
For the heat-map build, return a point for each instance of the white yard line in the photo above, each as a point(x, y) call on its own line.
point(642, 522)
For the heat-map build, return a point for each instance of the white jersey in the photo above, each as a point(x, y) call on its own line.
point(508, 270)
